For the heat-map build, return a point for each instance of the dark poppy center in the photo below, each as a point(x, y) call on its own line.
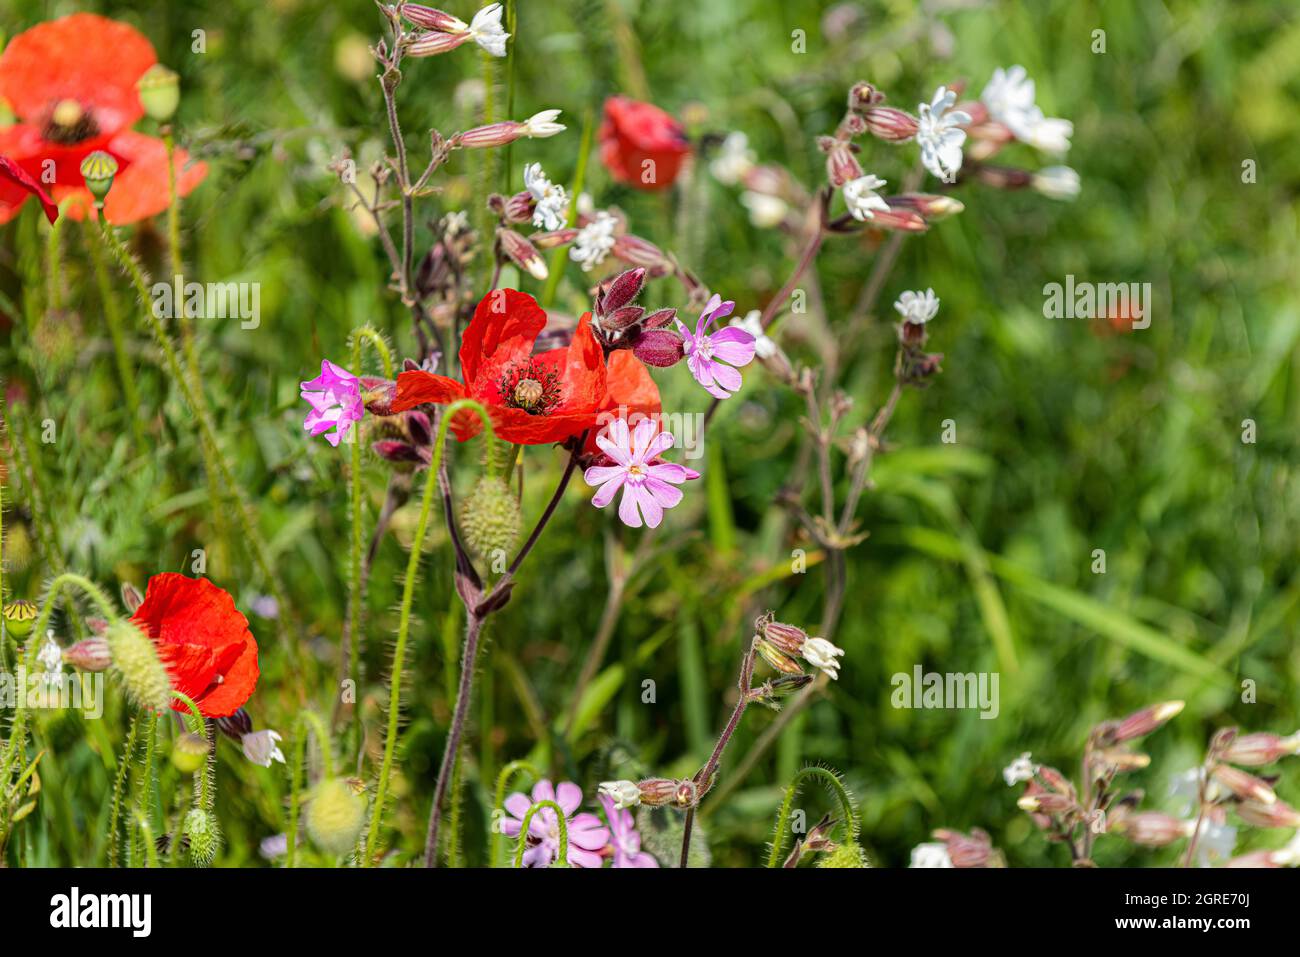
point(68, 122)
point(531, 387)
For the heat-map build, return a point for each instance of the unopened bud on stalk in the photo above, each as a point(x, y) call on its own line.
point(204, 835)
point(1150, 828)
point(89, 654)
point(518, 208)
point(336, 810)
point(660, 348)
point(1252, 750)
point(1046, 803)
point(160, 92)
point(189, 752)
point(1243, 785)
point(131, 598)
point(431, 19)
point(522, 253)
point(933, 208)
point(889, 124)
point(777, 658)
point(1124, 760)
point(490, 518)
point(862, 96)
point(98, 170)
point(136, 659)
point(554, 237)
point(19, 617)
point(538, 126)
point(1055, 780)
point(657, 792)
point(1277, 814)
point(641, 252)
point(1143, 722)
point(841, 165)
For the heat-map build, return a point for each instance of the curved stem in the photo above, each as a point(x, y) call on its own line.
point(832, 780)
point(563, 858)
point(503, 781)
point(408, 594)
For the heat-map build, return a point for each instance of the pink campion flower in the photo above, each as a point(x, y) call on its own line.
point(335, 399)
point(586, 834)
point(710, 357)
point(624, 839)
point(649, 484)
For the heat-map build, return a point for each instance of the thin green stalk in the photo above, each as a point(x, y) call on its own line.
point(307, 720)
point(119, 788)
point(562, 860)
point(188, 344)
point(113, 319)
point(150, 848)
point(148, 774)
point(360, 337)
point(408, 594)
point(503, 781)
point(836, 786)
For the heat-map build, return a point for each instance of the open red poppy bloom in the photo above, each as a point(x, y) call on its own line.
point(203, 641)
point(17, 176)
point(71, 83)
point(640, 144)
point(533, 398)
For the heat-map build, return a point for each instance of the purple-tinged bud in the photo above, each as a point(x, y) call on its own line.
point(1150, 828)
point(393, 451)
point(1243, 785)
point(89, 654)
point(862, 95)
point(1055, 780)
point(621, 319)
point(1253, 750)
point(1120, 760)
point(788, 638)
point(899, 220)
point(432, 19)
point(1144, 721)
point(841, 165)
point(641, 252)
point(519, 207)
point(973, 850)
point(419, 427)
point(932, 207)
point(659, 347)
point(777, 658)
point(657, 792)
point(236, 725)
point(522, 253)
point(97, 626)
point(556, 237)
point(658, 319)
point(620, 291)
point(771, 691)
point(1256, 859)
point(1277, 814)
point(1047, 803)
point(485, 137)
point(889, 124)
point(1004, 177)
point(431, 44)
point(131, 598)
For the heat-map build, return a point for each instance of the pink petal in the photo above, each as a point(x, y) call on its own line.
point(627, 510)
point(660, 444)
point(651, 509)
point(580, 858)
point(569, 797)
point(599, 474)
point(518, 804)
point(605, 494)
point(671, 472)
point(619, 453)
point(543, 790)
point(645, 431)
point(727, 377)
point(664, 495)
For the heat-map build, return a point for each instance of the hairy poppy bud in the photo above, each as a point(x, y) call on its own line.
point(336, 810)
point(160, 92)
point(490, 518)
point(204, 835)
point(189, 752)
point(846, 855)
point(19, 616)
point(136, 659)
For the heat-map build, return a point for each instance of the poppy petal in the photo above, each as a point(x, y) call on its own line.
point(502, 332)
point(17, 182)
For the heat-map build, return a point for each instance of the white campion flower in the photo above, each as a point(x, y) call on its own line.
point(861, 197)
point(1216, 843)
point(51, 655)
point(541, 125)
point(624, 794)
point(594, 241)
point(917, 307)
point(486, 30)
point(765, 212)
point(931, 855)
point(552, 202)
point(262, 747)
point(1009, 98)
point(820, 653)
point(939, 136)
point(752, 323)
point(1020, 770)
point(734, 159)
point(1057, 182)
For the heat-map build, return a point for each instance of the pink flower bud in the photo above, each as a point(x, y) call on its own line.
point(1252, 750)
point(932, 207)
point(841, 165)
point(1047, 803)
point(777, 658)
point(519, 207)
point(494, 134)
point(658, 318)
point(640, 252)
point(1151, 828)
point(431, 19)
point(1277, 814)
point(522, 253)
point(1143, 722)
point(620, 291)
point(889, 124)
point(659, 347)
point(89, 654)
point(788, 638)
point(431, 44)
point(1243, 785)
point(556, 237)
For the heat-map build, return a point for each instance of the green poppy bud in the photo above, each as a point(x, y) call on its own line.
point(98, 170)
point(160, 92)
point(19, 617)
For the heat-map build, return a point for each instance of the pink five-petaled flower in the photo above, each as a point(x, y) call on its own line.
point(335, 399)
point(706, 353)
point(649, 484)
point(586, 834)
point(624, 838)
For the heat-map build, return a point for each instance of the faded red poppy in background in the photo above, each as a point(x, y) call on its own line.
point(533, 398)
point(71, 83)
point(633, 133)
point(203, 641)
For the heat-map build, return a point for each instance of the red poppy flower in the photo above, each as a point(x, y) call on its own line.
point(533, 398)
point(19, 177)
point(203, 641)
point(71, 82)
point(635, 135)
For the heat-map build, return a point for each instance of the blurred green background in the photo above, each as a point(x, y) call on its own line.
point(1069, 438)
